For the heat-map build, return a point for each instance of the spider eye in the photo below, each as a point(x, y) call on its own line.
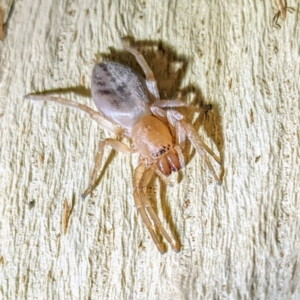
point(161, 151)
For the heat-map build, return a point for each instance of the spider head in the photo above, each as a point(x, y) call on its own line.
point(153, 140)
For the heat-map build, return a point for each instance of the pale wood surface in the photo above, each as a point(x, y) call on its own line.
point(239, 241)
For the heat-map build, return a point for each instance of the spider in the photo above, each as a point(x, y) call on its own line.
point(282, 9)
point(130, 107)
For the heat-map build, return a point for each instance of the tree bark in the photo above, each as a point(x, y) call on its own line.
point(239, 240)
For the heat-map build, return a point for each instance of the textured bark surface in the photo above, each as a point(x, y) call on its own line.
point(239, 240)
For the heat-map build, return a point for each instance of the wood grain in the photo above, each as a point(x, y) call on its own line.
point(239, 240)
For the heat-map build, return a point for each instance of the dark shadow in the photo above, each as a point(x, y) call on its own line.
point(78, 90)
point(168, 67)
point(213, 127)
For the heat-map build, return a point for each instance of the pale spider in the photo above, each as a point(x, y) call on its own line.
point(282, 9)
point(130, 107)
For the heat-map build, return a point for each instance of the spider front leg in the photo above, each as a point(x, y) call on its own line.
point(141, 180)
point(105, 124)
point(116, 145)
point(150, 80)
point(192, 135)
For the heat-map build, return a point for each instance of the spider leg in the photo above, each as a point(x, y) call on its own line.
point(180, 155)
point(157, 221)
point(105, 124)
point(150, 80)
point(196, 141)
point(175, 127)
point(157, 110)
point(281, 13)
point(290, 9)
point(138, 173)
point(177, 131)
point(116, 145)
point(177, 103)
point(141, 209)
point(141, 180)
point(164, 178)
point(275, 20)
